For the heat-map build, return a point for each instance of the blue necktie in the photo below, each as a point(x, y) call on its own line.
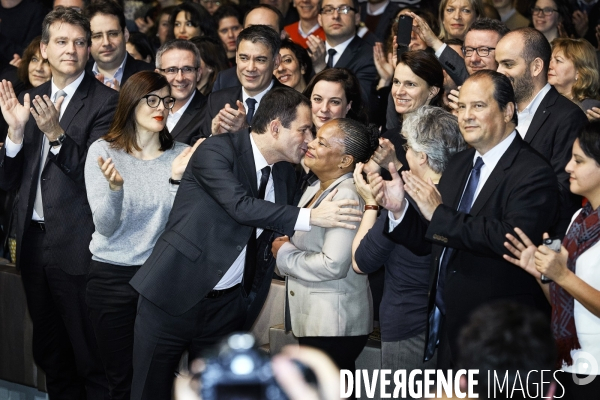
point(251, 108)
point(440, 308)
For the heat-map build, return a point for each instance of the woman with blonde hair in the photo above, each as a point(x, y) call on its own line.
point(573, 71)
point(456, 16)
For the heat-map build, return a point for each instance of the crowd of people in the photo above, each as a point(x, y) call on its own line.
point(163, 162)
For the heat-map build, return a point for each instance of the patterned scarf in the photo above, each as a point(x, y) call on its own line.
point(583, 234)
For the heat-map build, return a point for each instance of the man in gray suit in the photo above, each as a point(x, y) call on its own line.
point(236, 185)
point(44, 156)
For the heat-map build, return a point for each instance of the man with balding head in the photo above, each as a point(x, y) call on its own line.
point(486, 191)
point(548, 121)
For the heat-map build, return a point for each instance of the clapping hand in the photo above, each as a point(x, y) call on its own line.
point(229, 119)
point(115, 181)
point(316, 50)
point(388, 194)
point(181, 161)
point(386, 154)
point(46, 115)
point(15, 114)
point(362, 187)
point(425, 194)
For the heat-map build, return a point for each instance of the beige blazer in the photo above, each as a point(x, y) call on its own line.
point(326, 297)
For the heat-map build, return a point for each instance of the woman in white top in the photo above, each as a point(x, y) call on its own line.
point(575, 291)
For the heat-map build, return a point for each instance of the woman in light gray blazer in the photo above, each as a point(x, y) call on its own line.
point(330, 306)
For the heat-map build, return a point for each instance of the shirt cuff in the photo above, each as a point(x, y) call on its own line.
point(12, 149)
point(395, 222)
point(439, 51)
point(55, 150)
point(303, 221)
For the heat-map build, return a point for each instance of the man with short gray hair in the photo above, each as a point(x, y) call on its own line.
point(179, 61)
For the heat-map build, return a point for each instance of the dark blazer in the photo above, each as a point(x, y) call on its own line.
point(226, 79)
point(454, 65)
point(217, 100)
point(131, 67)
point(67, 214)
point(552, 132)
point(358, 58)
point(522, 192)
point(190, 122)
point(212, 218)
point(385, 21)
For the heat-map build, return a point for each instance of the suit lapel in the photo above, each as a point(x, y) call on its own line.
point(348, 54)
point(247, 160)
point(76, 102)
point(541, 114)
point(279, 185)
point(309, 193)
point(496, 176)
point(187, 116)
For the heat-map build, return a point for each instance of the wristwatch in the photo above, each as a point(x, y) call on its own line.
point(59, 140)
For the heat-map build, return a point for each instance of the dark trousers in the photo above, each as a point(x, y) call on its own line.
point(63, 340)
point(161, 339)
point(112, 305)
point(343, 350)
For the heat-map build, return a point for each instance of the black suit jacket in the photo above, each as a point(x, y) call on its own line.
point(131, 67)
point(358, 58)
point(552, 132)
point(217, 100)
point(213, 216)
point(522, 192)
point(226, 79)
point(67, 214)
point(454, 65)
point(189, 124)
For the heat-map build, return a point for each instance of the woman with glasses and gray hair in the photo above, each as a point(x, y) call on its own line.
point(130, 207)
point(432, 138)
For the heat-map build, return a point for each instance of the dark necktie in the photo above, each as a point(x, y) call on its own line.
point(331, 53)
point(251, 108)
point(250, 265)
point(464, 206)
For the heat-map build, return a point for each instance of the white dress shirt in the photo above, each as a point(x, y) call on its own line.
point(118, 73)
point(258, 97)
point(340, 48)
point(174, 117)
point(526, 116)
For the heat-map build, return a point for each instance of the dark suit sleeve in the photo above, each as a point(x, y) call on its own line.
point(410, 233)
point(71, 157)
point(374, 249)
point(531, 203)
point(454, 65)
point(11, 169)
point(212, 166)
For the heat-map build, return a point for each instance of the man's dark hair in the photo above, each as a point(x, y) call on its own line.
point(177, 44)
point(535, 45)
point(280, 103)
point(227, 11)
point(280, 17)
point(506, 337)
point(488, 24)
point(67, 16)
point(260, 34)
point(107, 7)
point(503, 90)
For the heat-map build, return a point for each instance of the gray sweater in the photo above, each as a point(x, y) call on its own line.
point(128, 222)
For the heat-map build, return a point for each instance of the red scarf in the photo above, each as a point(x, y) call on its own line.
point(583, 234)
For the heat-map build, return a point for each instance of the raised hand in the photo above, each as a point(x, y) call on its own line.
point(362, 187)
point(181, 161)
point(115, 181)
point(386, 154)
point(421, 28)
point(15, 114)
point(383, 64)
point(523, 251)
point(46, 115)
point(316, 50)
point(425, 194)
point(229, 119)
point(388, 194)
point(330, 213)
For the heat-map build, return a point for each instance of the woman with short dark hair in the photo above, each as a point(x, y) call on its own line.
point(130, 206)
point(295, 68)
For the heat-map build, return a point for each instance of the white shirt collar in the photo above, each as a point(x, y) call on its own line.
point(184, 107)
point(340, 48)
point(378, 12)
point(259, 159)
point(305, 35)
point(492, 156)
point(535, 103)
point(118, 74)
point(258, 97)
point(70, 90)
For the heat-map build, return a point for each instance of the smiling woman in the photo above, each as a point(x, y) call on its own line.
point(456, 16)
point(295, 67)
point(189, 20)
point(130, 206)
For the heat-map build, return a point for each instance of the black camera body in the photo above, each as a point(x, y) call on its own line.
point(239, 371)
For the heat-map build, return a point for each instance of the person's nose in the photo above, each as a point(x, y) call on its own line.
point(324, 106)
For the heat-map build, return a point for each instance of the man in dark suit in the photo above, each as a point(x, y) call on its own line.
point(179, 61)
point(548, 121)
point(342, 48)
point(111, 63)
point(45, 159)
point(232, 109)
point(191, 285)
point(260, 14)
point(487, 191)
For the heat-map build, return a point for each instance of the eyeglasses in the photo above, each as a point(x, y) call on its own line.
point(175, 70)
point(154, 100)
point(481, 51)
point(341, 10)
point(547, 11)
